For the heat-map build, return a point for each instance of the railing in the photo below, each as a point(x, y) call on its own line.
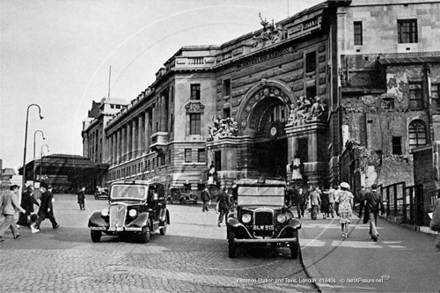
point(404, 201)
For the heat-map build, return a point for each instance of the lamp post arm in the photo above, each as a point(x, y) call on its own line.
point(23, 181)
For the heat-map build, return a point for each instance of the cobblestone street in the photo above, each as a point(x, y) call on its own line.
point(191, 257)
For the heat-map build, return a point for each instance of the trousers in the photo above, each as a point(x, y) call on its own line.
point(9, 221)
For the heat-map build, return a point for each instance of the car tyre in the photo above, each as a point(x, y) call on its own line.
point(145, 235)
point(232, 245)
point(95, 235)
point(182, 201)
point(294, 247)
point(163, 230)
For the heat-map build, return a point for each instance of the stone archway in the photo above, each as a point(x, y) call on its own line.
point(258, 99)
point(262, 117)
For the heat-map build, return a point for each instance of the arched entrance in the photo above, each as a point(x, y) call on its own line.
point(263, 117)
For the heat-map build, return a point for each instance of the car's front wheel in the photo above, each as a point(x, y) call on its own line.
point(144, 236)
point(96, 235)
point(294, 246)
point(232, 245)
point(163, 230)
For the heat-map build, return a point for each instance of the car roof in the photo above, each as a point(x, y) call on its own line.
point(261, 181)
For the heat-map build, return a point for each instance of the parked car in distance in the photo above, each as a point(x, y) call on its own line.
point(102, 192)
point(136, 208)
point(181, 195)
point(260, 216)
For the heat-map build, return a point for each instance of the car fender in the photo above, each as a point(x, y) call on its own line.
point(97, 220)
point(164, 216)
point(140, 220)
point(233, 223)
point(294, 223)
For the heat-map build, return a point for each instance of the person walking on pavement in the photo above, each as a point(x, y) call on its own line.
point(223, 205)
point(46, 207)
point(301, 202)
point(315, 202)
point(435, 222)
point(331, 201)
point(373, 201)
point(345, 208)
point(206, 197)
point(81, 198)
point(27, 203)
point(9, 206)
point(325, 203)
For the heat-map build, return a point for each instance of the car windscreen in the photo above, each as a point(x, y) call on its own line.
point(260, 195)
point(129, 191)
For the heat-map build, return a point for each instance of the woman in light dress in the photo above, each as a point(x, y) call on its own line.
point(345, 200)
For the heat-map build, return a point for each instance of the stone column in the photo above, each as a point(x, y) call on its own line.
point(139, 137)
point(123, 143)
point(118, 146)
point(147, 134)
point(133, 138)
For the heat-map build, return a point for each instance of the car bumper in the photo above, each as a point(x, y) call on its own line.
point(266, 240)
point(117, 229)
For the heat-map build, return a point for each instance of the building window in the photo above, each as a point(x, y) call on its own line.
point(310, 62)
point(416, 95)
point(311, 92)
point(195, 123)
point(195, 92)
point(407, 30)
point(417, 134)
point(357, 27)
point(162, 159)
point(397, 145)
point(201, 155)
point(188, 155)
point(227, 87)
point(435, 87)
point(226, 112)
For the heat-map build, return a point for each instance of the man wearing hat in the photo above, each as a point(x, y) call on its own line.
point(373, 201)
point(9, 206)
point(46, 207)
point(27, 203)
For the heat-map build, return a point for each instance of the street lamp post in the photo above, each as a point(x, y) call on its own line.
point(42, 135)
point(35, 167)
point(41, 160)
point(25, 142)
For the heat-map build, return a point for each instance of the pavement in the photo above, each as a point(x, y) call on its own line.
point(400, 261)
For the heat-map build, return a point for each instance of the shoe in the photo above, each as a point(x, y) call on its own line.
point(219, 224)
point(57, 226)
point(35, 231)
point(1, 239)
point(16, 236)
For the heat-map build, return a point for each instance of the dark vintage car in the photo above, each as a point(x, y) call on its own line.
point(181, 195)
point(260, 216)
point(102, 193)
point(136, 208)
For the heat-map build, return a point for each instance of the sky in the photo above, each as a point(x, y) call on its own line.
point(58, 53)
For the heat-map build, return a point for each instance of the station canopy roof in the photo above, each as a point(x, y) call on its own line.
point(75, 167)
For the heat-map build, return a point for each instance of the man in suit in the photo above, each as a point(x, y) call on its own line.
point(46, 207)
point(9, 206)
point(373, 201)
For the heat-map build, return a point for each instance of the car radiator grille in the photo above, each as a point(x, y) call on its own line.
point(117, 215)
point(263, 224)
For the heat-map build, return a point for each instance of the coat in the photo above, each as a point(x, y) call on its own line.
point(9, 204)
point(46, 204)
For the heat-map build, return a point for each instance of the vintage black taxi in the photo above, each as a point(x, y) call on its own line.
point(260, 216)
point(136, 208)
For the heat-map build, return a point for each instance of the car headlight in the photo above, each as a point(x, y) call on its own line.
point(281, 218)
point(132, 213)
point(246, 218)
point(104, 212)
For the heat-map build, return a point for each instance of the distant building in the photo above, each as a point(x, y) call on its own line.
point(342, 91)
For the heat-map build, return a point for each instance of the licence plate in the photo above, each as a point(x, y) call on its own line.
point(263, 227)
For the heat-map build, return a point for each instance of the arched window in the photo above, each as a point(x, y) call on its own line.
point(417, 134)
